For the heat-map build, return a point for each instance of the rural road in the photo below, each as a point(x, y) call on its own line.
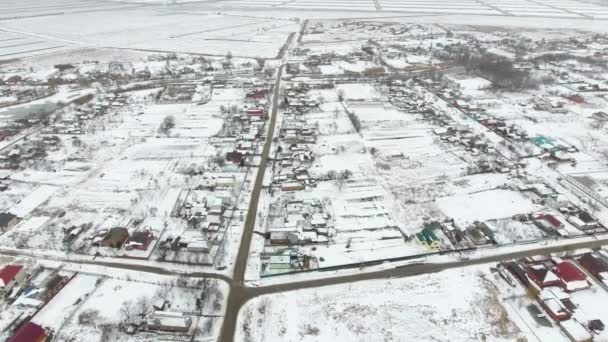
point(238, 296)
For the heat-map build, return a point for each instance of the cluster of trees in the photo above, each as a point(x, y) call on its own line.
point(499, 70)
point(355, 120)
point(167, 125)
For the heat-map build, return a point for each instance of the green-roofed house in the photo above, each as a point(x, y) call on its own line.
point(427, 238)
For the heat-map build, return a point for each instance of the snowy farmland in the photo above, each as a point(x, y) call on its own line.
point(370, 311)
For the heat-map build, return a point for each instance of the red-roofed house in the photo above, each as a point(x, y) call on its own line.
point(29, 332)
point(10, 275)
point(542, 276)
point(571, 277)
point(552, 221)
point(255, 112)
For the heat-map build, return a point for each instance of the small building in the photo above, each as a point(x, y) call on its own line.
point(198, 245)
point(29, 332)
point(600, 116)
point(292, 186)
point(10, 276)
point(169, 321)
point(279, 263)
point(115, 238)
point(575, 331)
point(571, 277)
point(7, 221)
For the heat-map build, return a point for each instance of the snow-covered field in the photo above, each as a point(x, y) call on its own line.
point(455, 305)
point(172, 31)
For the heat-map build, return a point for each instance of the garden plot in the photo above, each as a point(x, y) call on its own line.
point(33, 8)
point(409, 159)
point(511, 231)
point(15, 193)
point(331, 119)
point(373, 310)
point(16, 46)
point(339, 152)
point(485, 205)
point(33, 200)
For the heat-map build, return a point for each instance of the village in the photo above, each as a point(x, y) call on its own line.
point(155, 168)
point(156, 195)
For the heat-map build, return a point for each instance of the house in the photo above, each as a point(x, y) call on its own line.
point(550, 224)
point(234, 156)
point(555, 309)
point(169, 321)
point(115, 238)
point(595, 264)
point(542, 276)
point(10, 276)
point(571, 277)
point(140, 240)
point(7, 221)
point(427, 238)
point(29, 332)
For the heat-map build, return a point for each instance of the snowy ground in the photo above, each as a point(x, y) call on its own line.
point(374, 310)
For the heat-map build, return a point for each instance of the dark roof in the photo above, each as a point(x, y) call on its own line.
point(9, 272)
point(141, 236)
point(594, 263)
point(28, 332)
point(116, 236)
point(5, 218)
